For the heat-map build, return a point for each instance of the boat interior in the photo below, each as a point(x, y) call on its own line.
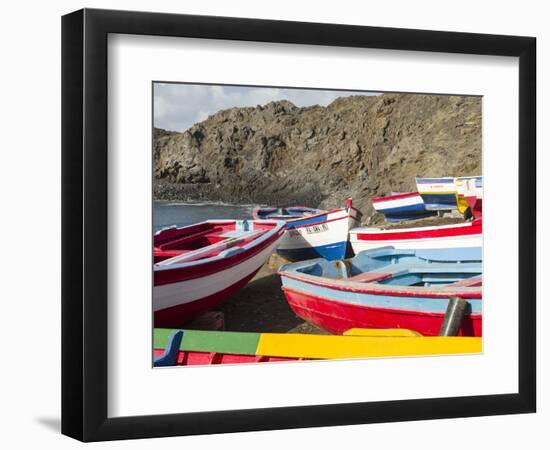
point(204, 240)
point(292, 212)
point(458, 268)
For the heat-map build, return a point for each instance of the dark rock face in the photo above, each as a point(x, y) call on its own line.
point(279, 154)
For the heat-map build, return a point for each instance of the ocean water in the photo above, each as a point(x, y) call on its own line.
point(166, 214)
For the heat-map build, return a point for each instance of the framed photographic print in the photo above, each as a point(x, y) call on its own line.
point(274, 225)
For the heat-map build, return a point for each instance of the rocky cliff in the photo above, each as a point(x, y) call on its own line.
point(279, 154)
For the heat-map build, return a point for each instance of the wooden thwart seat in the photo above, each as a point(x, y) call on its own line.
point(468, 282)
point(212, 249)
point(183, 240)
point(369, 277)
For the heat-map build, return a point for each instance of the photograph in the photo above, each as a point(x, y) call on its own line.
point(301, 224)
point(264, 225)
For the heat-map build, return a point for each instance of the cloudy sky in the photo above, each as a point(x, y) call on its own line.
point(177, 107)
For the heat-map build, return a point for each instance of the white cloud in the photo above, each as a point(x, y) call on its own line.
point(179, 106)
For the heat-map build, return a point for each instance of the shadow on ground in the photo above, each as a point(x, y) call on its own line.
point(52, 423)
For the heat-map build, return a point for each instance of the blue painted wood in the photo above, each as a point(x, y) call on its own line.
point(407, 212)
point(170, 355)
point(435, 268)
point(439, 201)
point(331, 252)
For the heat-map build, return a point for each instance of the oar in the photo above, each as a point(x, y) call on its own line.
point(218, 246)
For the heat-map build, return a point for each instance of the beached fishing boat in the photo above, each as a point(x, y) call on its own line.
point(387, 288)
point(466, 234)
point(198, 266)
point(289, 213)
point(312, 233)
point(461, 184)
point(403, 206)
point(190, 347)
point(473, 194)
point(438, 193)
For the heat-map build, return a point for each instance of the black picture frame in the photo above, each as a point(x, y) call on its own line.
point(84, 224)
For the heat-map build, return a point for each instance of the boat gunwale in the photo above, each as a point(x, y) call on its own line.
point(397, 231)
point(359, 214)
point(348, 215)
point(379, 289)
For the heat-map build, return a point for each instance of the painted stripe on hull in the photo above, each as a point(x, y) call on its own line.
point(415, 211)
point(328, 240)
point(385, 300)
point(331, 252)
point(439, 201)
point(411, 244)
point(397, 196)
point(338, 317)
point(411, 209)
point(177, 316)
point(447, 231)
point(390, 203)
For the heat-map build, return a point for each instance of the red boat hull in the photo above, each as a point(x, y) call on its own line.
point(194, 358)
point(177, 316)
point(338, 317)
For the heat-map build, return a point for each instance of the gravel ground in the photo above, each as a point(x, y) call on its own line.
point(261, 306)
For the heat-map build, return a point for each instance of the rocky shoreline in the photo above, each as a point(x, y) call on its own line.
point(360, 147)
point(210, 192)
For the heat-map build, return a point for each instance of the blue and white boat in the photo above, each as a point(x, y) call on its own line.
point(313, 233)
point(402, 206)
point(437, 193)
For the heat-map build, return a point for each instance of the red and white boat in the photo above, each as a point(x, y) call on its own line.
point(198, 266)
point(460, 235)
